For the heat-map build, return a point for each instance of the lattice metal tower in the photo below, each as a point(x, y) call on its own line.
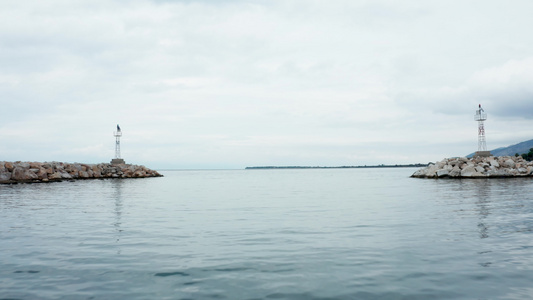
point(480, 117)
point(117, 159)
point(118, 134)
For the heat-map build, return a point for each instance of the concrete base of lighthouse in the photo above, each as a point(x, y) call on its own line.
point(482, 154)
point(118, 161)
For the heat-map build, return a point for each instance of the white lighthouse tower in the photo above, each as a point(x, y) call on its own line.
point(480, 117)
point(117, 160)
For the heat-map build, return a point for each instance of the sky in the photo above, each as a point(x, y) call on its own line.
point(215, 84)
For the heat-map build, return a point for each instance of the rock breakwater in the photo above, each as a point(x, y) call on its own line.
point(15, 172)
point(478, 167)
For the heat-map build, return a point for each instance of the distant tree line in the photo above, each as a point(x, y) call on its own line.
point(527, 156)
point(340, 167)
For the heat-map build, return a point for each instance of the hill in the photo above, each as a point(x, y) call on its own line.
point(522, 147)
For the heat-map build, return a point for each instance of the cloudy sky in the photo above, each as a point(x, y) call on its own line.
point(230, 84)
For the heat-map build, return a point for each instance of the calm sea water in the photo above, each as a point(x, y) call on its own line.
point(268, 234)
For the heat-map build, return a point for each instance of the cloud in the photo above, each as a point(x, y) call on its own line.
point(505, 91)
point(508, 88)
point(224, 83)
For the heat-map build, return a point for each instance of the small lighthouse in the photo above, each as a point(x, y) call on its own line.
point(480, 117)
point(117, 160)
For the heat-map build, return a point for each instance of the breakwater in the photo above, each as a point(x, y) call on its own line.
point(478, 167)
point(19, 172)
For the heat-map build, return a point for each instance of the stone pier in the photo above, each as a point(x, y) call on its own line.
point(478, 167)
point(19, 172)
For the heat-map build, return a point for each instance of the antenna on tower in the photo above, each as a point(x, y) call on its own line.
point(117, 160)
point(480, 117)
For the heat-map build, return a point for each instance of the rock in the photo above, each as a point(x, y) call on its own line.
point(24, 165)
point(23, 174)
point(55, 176)
point(432, 170)
point(42, 173)
point(509, 163)
point(443, 173)
point(35, 165)
point(419, 173)
point(441, 164)
point(468, 171)
point(9, 166)
point(5, 175)
point(65, 175)
point(455, 172)
point(479, 169)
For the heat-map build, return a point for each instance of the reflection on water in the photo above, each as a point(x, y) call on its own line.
point(293, 234)
point(117, 195)
point(483, 188)
point(504, 216)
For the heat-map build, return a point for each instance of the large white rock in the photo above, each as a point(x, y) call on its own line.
point(455, 172)
point(494, 163)
point(468, 171)
point(443, 172)
point(420, 173)
point(432, 170)
point(509, 163)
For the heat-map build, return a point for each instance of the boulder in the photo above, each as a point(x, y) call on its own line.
point(55, 176)
point(468, 171)
point(431, 171)
point(24, 165)
point(443, 173)
point(35, 165)
point(42, 173)
point(23, 174)
point(417, 173)
point(65, 175)
point(9, 166)
point(5, 175)
point(509, 163)
point(455, 172)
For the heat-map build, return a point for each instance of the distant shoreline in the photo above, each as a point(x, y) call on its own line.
point(337, 167)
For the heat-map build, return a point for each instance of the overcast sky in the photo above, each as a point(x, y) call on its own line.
point(230, 84)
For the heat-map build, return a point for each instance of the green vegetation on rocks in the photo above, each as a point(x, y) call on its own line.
point(527, 156)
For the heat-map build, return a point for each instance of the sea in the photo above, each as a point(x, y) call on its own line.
point(268, 234)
